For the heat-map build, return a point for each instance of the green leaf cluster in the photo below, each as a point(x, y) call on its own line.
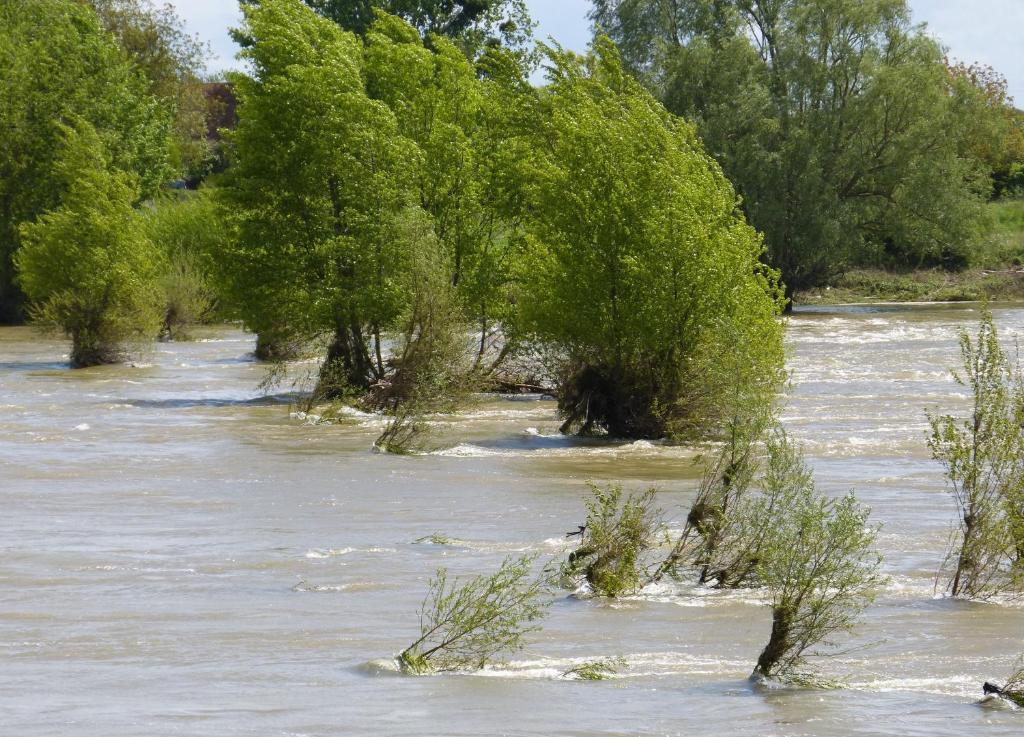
point(58, 64)
point(465, 625)
point(88, 266)
point(983, 456)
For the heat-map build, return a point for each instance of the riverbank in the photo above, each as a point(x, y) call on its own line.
point(997, 272)
point(875, 285)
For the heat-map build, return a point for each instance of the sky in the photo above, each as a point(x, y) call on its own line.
point(986, 31)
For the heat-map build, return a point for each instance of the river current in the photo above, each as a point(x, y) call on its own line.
point(182, 554)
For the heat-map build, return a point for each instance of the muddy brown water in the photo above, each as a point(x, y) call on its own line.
point(180, 555)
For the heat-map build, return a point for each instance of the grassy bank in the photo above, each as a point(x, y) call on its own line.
point(998, 273)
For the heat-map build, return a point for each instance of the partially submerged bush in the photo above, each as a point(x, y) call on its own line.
point(817, 561)
point(983, 455)
point(465, 626)
point(595, 670)
point(617, 535)
point(87, 266)
point(1012, 690)
point(639, 262)
point(188, 228)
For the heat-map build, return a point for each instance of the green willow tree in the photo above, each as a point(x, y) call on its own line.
point(837, 121)
point(319, 180)
point(58, 63)
point(983, 456)
point(639, 263)
point(87, 266)
point(462, 125)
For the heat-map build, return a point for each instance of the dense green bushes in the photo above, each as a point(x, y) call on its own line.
point(57, 63)
point(88, 266)
point(640, 264)
point(581, 217)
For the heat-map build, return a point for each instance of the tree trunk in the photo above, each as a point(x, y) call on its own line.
point(778, 643)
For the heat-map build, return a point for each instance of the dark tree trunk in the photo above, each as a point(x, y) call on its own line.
point(778, 643)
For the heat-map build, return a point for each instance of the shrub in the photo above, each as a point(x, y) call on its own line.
point(983, 456)
point(639, 263)
point(87, 266)
point(817, 562)
point(617, 535)
point(466, 626)
point(188, 230)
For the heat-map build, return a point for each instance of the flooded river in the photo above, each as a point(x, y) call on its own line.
point(181, 556)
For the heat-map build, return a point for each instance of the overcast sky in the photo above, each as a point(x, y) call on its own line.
point(987, 31)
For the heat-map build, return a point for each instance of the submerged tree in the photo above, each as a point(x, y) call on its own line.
point(57, 63)
point(463, 128)
point(87, 266)
point(319, 182)
point(465, 626)
point(983, 455)
point(618, 534)
point(188, 229)
point(639, 262)
point(815, 557)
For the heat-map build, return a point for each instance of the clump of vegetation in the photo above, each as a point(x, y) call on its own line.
point(596, 670)
point(58, 63)
point(983, 456)
point(187, 229)
point(638, 263)
point(713, 538)
point(87, 266)
point(435, 539)
point(619, 531)
point(465, 626)
point(816, 559)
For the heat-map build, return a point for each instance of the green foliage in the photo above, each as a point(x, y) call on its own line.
point(983, 456)
point(473, 24)
point(188, 230)
point(87, 266)
point(465, 626)
point(815, 557)
point(619, 532)
point(461, 126)
point(318, 184)
point(430, 370)
point(638, 261)
point(838, 121)
point(595, 670)
point(57, 63)
point(155, 39)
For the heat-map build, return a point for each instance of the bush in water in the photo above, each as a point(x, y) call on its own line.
point(466, 626)
point(816, 560)
point(638, 264)
point(983, 455)
point(617, 534)
point(87, 266)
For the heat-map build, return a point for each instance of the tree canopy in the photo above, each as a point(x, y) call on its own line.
point(835, 119)
point(58, 63)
